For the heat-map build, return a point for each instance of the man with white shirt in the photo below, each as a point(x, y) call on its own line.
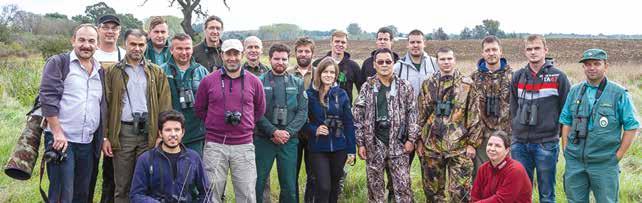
point(108, 53)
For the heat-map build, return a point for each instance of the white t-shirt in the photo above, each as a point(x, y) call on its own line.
point(103, 56)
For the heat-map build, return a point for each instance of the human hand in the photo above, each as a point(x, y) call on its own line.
point(351, 159)
point(107, 148)
point(470, 151)
point(362, 153)
point(408, 147)
point(60, 141)
point(322, 130)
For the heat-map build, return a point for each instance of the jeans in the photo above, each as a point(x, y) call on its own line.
point(69, 180)
point(543, 158)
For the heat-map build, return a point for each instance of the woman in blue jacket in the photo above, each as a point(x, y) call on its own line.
point(333, 143)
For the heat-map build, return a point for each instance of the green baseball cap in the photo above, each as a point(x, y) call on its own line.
point(597, 54)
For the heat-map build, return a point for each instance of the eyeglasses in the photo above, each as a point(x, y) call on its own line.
point(381, 62)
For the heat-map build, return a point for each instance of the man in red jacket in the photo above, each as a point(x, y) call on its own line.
point(501, 179)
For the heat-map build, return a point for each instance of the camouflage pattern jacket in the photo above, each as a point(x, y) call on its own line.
point(448, 134)
point(401, 107)
point(493, 84)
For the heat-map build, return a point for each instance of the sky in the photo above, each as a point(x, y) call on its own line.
point(543, 16)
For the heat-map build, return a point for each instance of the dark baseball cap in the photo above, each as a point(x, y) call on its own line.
point(595, 54)
point(108, 18)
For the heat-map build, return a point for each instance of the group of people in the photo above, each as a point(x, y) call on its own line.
point(173, 120)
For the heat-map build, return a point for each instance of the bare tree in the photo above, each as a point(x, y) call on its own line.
point(188, 8)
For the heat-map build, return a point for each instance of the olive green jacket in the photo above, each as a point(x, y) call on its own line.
point(158, 100)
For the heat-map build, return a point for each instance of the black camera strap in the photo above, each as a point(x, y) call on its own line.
point(129, 100)
point(285, 77)
point(223, 75)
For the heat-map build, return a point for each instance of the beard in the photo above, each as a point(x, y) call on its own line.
point(279, 70)
point(233, 68)
point(303, 61)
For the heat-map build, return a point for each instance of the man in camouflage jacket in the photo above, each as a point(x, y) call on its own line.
point(386, 145)
point(492, 91)
point(448, 117)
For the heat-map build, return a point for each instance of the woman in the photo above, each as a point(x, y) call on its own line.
point(501, 179)
point(332, 144)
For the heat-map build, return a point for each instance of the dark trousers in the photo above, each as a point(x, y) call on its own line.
point(107, 195)
point(303, 155)
point(69, 179)
point(328, 169)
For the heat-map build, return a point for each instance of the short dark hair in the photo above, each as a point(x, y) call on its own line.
point(279, 47)
point(156, 20)
point(170, 115)
point(386, 30)
point(86, 25)
point(382, 51)
point(181, 37)
point(211, 18)
point(304, 41)
point(135, 33)
point(502, 135)
point(490, 39)
point(443, 50)
point(416, 32)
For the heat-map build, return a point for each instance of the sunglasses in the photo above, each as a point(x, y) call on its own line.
point(381, 62)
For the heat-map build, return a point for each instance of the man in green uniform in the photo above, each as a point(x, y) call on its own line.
point(157, 45)
point(448, 117)
point(594, 117)
point(253, 48)
point(184, 75)
point(286, 113)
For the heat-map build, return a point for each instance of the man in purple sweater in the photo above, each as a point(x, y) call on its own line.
point(230, 101)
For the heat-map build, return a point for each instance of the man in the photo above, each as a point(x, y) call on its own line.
point(304, 50)
point(184, 76)
point(385, 38)
point(157, 45)
point(416, 66)
point(448, 117)
point(384, 112)
point(138, 91)
point(276, 138)
point(538, 92)
point(492, 93)
point(598, 126)
point(71, 94)
point(108, 54)
point(170, 172)
point(253, 50)
point(230, 101)
point(208, 52)
point(349, 74)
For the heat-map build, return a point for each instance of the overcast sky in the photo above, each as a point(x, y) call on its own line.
point(543, 16)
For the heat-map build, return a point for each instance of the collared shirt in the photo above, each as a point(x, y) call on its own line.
point(307, 78)
point(257, 71)
point(137, 90)
point(80, 103)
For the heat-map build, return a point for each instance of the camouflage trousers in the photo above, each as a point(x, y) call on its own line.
point(377, 161)
point(446, 178)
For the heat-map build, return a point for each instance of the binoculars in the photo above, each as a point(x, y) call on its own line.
point(492, 106)
point(233, 117)
point(443, 108)
point(280, 116)
point(580, 127)
point(186, 97)
point(527, 114)
point(140, 122)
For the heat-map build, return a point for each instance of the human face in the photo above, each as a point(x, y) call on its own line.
point(182, 51)
point(232, 60)
point(595, 70)
point(109, 32)
point(535, 51)
point(446, 62)
point(383, 40)
point(253, 50)
point(304, 55)
point(172, 134)
point(339, 44)
point(135, 47)
point(383, 64)
point(279, 62)
point(491, 53)
point(159, 35)
point(496, 150)
point(85, 43)
point(416, 45)
point(329, 75)
point(213, 31)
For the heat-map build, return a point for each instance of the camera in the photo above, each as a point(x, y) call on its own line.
point(232, 117)
point(140, 122)
point(52, 155)
point(492, 106)
point(443, 108)
point(186, 97)
point(382, 123)
point(580, 127)
point(280, 116)
point(527, 114)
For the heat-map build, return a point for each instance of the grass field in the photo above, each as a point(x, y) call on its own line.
point(19, 80)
